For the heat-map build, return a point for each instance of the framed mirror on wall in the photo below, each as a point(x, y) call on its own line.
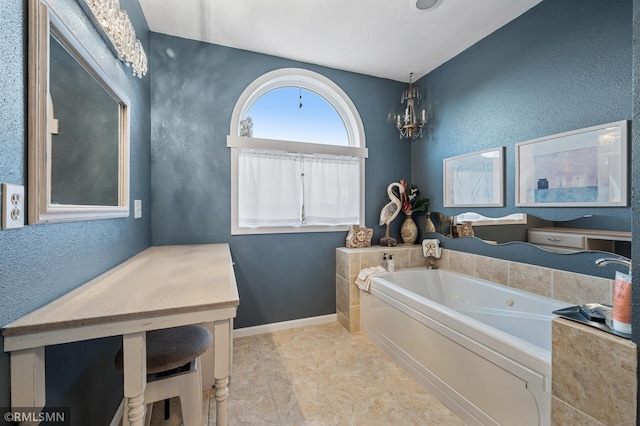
point(573, 186)
point(592, 233)
point(584, 168)
point(78, 149)
point(475, 179)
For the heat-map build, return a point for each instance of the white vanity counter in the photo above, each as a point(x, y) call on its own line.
point(158, 281)
point(161, 287)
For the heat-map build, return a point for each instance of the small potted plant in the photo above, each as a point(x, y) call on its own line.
point(412, 202)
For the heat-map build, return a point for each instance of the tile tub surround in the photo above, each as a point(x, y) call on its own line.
point(350, 261)
point(594, 376)
point(594, 373)
point(560, 285)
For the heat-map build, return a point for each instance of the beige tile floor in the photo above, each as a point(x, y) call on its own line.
point(318, 375)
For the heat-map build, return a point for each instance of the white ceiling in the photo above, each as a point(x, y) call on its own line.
point(382, 38)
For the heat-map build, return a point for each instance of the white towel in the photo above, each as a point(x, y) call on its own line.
point(431, 248)
point(364, 277)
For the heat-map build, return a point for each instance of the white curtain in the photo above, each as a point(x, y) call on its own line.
point(331, 189)
point(271, 201)
point(283, 189)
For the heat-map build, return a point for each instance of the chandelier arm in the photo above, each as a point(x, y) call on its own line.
point(409, 123)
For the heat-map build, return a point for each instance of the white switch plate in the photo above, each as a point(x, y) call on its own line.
point(137, 209)
point(12, 206)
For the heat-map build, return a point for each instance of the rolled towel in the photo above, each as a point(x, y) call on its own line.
point(363, 281)
point(431, 248)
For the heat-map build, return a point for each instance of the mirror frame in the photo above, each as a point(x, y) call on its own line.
point(42, 22)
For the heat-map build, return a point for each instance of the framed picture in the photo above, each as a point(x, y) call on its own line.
point(586, 167)
point(475, 179)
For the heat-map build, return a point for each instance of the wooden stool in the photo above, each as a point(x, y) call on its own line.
point(173, 358)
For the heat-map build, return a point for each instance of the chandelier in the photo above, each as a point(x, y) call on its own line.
point(118, 32)
point(408, 123)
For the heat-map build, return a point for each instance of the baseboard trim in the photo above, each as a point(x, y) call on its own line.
point(284, 325)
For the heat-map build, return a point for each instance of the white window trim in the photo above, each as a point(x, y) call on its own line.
point(300, 147)
point(332, 93)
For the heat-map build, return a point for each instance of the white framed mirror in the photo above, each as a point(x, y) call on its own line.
point(78, 148)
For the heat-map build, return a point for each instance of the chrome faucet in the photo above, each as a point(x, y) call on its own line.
point(621, 260)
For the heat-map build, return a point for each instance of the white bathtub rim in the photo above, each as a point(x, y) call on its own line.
point(537, 386)
point(497, 349)
point(481, 281)
point(451, 317)
point(445, 393)
point(521, 358)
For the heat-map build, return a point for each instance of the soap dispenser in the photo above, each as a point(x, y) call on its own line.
point(391, 265)
point(385, 262)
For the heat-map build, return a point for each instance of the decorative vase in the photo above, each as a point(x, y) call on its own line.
point(409, 229)
point(430, 227)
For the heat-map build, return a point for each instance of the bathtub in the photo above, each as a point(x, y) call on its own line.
point(482, 348)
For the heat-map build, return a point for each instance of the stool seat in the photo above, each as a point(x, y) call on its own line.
point(171, 348)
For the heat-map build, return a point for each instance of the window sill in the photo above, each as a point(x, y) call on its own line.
point(302, 229)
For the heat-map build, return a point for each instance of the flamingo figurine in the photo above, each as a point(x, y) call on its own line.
point(389, 212)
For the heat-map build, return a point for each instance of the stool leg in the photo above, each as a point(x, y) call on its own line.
point(191, 400)
point(222, 346)
point(147, 416)
point(167, 409)
point(134, 349)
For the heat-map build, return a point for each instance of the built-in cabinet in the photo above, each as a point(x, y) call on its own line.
point(569, 240)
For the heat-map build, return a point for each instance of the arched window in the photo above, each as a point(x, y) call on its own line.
point(297, 156)
point(297, 115)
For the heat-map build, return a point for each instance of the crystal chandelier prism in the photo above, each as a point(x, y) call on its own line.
point(410, 123)
point(118, 32)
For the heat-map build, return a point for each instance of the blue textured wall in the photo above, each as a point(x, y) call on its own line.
point(280, 277)
point(563, 65)
point(40, 263)
point(635, 165)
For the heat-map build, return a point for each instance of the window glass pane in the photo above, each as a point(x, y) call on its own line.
point(278, 115)
point(283, 181)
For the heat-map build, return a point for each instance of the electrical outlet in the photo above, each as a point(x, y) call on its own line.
point(12, 206)
point(137, 209)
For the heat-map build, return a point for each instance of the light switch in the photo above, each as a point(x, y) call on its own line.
point(137, 212)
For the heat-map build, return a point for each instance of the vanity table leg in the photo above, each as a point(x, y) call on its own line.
point(27, 379)
point(134, 351)
point(222, 367)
